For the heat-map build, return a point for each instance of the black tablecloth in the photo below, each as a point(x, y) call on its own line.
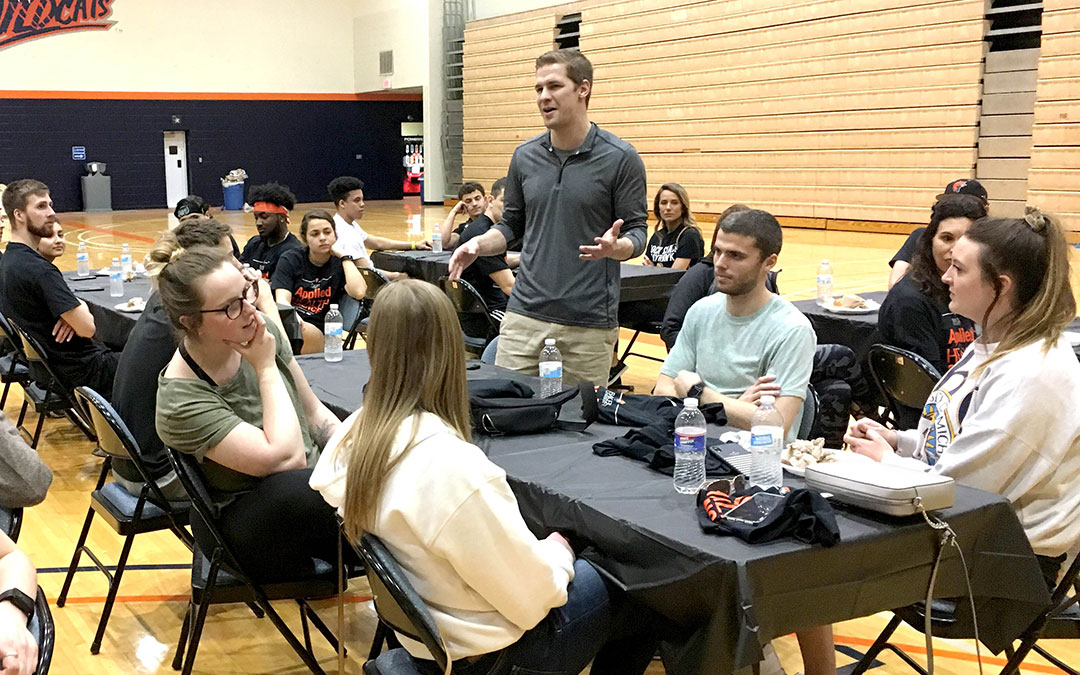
point(113, 325)
point(731, 596)
point(857, 331)
point(638, 282)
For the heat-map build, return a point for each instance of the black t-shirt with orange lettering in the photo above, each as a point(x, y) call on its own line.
point(911, 320)
point(313, 288)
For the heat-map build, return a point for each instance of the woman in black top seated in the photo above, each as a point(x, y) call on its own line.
point(316, 276)
point(915, 315)
point(676, 242)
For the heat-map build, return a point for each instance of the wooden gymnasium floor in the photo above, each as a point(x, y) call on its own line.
point(145, 623)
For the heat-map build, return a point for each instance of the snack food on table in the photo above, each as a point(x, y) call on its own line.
point(135, 303)
point(801, 454)
point(849, 301)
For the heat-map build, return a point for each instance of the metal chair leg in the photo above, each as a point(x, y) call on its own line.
point(377, 642)
point(320, 625)
point(306, 656)
point(114, 586)
point(37, 430)
point(200, 614)
point(880, 643)
point(75, 557)
point(185, 629)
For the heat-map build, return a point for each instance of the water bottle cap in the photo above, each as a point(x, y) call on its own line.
point(689, 402)
point(550, 342)
point(333, 306)
point(824, 261)
point(116, 260)
point(768, 399)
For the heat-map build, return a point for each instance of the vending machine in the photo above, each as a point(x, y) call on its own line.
point(413, 161)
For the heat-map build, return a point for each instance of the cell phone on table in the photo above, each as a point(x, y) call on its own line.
point(755, 508)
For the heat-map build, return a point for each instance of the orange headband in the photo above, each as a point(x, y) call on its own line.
point(272, 208)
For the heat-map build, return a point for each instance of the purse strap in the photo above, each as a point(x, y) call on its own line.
point(195, 367)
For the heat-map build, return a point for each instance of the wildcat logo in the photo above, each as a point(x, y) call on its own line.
point(22, 20)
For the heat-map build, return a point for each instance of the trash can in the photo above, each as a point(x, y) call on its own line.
point(234, 197)
point(96, 188)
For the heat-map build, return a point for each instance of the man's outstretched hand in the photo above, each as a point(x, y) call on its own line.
point(606, 246)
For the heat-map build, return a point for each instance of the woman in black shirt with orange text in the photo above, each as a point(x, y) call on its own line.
point(316, 276)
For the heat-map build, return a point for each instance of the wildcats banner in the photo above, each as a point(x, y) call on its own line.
point(22, 20)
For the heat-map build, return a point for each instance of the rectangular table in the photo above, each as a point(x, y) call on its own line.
point(730, 596)
point(857, 331)
point(113, 324)
point(639, 283)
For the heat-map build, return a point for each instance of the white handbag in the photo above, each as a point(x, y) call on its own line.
point(892, 490)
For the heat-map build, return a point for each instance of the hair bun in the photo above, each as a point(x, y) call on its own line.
point(1035, 219)
point(177, 252)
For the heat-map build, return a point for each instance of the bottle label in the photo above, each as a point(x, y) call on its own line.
point(334, 329)
point(82, 257)
point(761, 440)
point(824, 280)
point(687, 442)
point(551, 369)
point(116, 276)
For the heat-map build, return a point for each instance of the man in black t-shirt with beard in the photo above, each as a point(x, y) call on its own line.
point(35, 296)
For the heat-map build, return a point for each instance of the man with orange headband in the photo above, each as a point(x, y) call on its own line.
point(272, 203)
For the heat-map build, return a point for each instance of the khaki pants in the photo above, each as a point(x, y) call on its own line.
point(586, 352)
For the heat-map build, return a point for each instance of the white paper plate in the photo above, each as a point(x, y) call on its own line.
point(871, 307)
point(123, 307)
point(839, 455)
point(1073, 337)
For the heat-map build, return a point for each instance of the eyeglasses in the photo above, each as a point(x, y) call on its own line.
point(236, 305)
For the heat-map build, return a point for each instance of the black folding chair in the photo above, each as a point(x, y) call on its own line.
point(126, 513)
point(374, 280)
point(44, 631)
point(952, 619)
point(905, 381)
point(55, 395)
point(219, 579)
point(11, 522)
point(810, 424)
point(479, 325)
point(13, 366)
point(401, 609)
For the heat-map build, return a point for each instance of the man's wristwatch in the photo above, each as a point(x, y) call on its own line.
point(22, 601)
point(347, 257)
point(695, 391)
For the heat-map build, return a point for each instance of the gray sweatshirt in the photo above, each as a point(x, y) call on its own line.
point(555, 207)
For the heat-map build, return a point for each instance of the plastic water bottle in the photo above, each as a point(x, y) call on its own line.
point(116, 279)
point(333, 332)
point(82, 260)
point(125, 259)
point(550, 369)
point(824, 282)
point(689, 448)
point(766, 444)
point(436, 240)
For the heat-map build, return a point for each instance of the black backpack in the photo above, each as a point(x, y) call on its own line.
point(503, 407)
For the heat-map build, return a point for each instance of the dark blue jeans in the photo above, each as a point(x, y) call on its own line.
point(569, 637)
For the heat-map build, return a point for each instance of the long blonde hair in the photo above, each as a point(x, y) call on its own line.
point(417, 364)
point(1034, 252)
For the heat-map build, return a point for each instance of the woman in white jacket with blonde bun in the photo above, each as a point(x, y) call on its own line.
point(403, 468)
point(1006, 417)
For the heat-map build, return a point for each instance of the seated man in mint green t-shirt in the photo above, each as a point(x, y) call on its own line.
point(743, 342)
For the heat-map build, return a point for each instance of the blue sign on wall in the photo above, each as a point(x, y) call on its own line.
point(78, 152)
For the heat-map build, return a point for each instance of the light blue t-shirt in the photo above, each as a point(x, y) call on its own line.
point(731, 352)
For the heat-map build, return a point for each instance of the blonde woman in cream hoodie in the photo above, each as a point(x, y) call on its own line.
point(403, 468)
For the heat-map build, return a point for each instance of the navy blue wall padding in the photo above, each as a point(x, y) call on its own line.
point(302, 144)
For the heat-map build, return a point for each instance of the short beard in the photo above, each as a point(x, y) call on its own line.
point(40, 230)
point(743, 288)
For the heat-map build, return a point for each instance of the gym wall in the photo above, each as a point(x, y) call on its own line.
point(266, 86)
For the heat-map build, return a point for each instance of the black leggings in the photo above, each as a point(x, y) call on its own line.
point(839, 383)
point(277, 529)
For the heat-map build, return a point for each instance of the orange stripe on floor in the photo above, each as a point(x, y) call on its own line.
point(105, 230)
point(947, 653)
point(91, 599)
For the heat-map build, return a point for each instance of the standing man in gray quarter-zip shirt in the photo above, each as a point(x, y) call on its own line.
point(576, 198)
